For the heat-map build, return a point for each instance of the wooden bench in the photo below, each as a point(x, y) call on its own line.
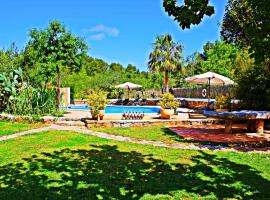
point(255, 119)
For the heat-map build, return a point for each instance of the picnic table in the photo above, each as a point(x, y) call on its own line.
point(255, 119)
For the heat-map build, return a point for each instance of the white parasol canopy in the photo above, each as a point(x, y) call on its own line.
point(215, 79)
point(209, 78)
point(128, 86)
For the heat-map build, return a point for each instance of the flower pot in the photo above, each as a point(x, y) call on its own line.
point(166, 113)
point(101, 114)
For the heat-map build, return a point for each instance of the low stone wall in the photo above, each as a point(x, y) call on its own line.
point(67, 121)
point(144, 123)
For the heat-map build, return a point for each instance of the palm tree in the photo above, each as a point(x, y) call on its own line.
point(165, 57)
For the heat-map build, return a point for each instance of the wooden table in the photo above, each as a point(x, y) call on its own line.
point(255, 119)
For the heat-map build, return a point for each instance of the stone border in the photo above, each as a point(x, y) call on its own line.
point(143, 123)
point(76, 121)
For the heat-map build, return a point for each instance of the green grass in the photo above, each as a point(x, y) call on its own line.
point(154, 133)
point(8, 128)
point(164, 134)
point(66, 165)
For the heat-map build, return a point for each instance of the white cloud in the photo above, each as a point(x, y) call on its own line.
point(102, 31)
point(97, 37)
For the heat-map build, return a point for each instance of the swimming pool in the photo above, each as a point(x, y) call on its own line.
point(121, 109)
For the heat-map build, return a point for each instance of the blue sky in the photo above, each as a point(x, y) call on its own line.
point(115, 30)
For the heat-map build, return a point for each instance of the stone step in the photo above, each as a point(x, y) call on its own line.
point(70, 123)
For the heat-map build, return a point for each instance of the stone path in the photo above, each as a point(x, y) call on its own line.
point(133, 140)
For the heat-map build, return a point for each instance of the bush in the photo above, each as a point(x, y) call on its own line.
point(168, 102)
point(97, 101)
point(223, 102)
point(253, 88)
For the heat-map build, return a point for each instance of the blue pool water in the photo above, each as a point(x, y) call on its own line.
point(121, 109)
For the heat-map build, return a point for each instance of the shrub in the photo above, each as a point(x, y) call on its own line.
point(168, 102)
point(58, 113)
point(253, 88)
point(18, 97)
point(222, 102)
point(97, 101)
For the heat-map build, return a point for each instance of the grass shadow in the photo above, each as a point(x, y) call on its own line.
point(105, 172)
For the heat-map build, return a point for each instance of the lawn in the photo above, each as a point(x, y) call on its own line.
point(67, 165)
point(8, 128)
point(154, 133)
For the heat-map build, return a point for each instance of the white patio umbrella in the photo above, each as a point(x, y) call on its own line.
point(210, 78)
point(128, 86)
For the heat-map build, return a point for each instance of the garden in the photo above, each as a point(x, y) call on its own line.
point(53, 161)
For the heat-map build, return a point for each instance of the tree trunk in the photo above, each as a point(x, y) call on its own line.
point(58, 87)
point(166, 81)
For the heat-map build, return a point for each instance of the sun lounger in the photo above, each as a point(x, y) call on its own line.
point(136, 102)
point(125, 102)
point(143, 102)
point(119, 102)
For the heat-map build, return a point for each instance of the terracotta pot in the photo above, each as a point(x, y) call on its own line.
point(101, 114)
point(166, 113)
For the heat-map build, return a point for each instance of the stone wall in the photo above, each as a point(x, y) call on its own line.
point(144, 123)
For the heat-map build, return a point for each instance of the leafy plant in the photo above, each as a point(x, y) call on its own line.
point(10, 84)
point(168, 102)
point(97, 101)
point(223, 102)
point(58, 113)
point(253, 88)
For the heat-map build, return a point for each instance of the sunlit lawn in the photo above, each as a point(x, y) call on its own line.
point(7, 128)
point(155, 133)
point(66, 165)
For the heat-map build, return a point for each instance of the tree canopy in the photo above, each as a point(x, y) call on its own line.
point(190, 13)
point(247, 24)
point(165, 57)
point(49, 50)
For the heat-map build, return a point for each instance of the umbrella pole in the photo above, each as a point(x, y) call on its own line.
point(209, 90)
point(128, 93)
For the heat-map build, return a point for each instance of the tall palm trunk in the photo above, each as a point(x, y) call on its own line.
point(166, 81)
point(58, 87)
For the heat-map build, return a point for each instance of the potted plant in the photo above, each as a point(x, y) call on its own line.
point(97, 104)
point(222, 103)
point(168, 105)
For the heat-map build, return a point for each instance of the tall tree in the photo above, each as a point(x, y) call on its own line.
point(220, 58)
point(53, 49)
point(247, 24)
point(116, 67)
point(10, 59)
point(190, 13)
point(165, 57)
point(95, 66)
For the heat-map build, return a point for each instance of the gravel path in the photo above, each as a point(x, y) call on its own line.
point(134, 140)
